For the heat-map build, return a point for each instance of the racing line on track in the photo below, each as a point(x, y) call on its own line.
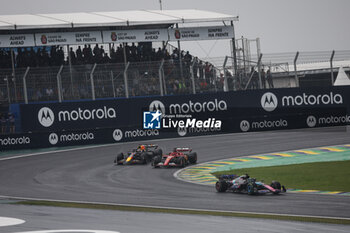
point(201, 173)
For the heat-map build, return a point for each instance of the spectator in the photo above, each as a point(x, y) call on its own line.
point(3, 122)
point(263, 78)
point(79, 55)
point(254, 79)
point(207, 72)
point(201, 68)
point(11, 120)
point(269, 78)
point(72, 56)
point(60, 56)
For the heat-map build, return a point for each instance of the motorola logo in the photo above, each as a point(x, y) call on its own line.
point(245, 126)
point(53, 139)
point(157, 105)
point(181, 131)
point(311, 121)
point(269, 102)
point(117, 135)
point(46, 117)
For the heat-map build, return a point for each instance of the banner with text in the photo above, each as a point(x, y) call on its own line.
point(201, 33)
point(19, 40)
point(150, 35)
point(68, 38)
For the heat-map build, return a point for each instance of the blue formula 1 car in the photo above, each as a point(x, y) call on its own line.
point(246, 184)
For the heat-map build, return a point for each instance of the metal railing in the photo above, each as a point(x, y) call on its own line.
point(292, 66)
point(96, 81)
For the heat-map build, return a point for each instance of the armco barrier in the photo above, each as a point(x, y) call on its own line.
point(239, 111)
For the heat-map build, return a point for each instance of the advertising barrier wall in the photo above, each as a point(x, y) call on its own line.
point(101, 121)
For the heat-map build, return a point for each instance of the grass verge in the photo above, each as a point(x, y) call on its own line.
point(325, 176)
point(188, 211)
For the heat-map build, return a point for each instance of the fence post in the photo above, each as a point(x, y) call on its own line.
point(259, 70)
point(14, 73)
point(164, 83)
point(126, 80)
point(192, 76)
point(25, 85)
point(59, 84)
point(92, 82)
point(8, 89)
point(161, 77)
point(295, 69)
point(112, 78)
point(70, 71)
point(331, 61)
point(225, 77)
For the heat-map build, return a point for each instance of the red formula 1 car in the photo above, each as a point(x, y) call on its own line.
point(180, 157)
point(246, 184)
point(141, 155)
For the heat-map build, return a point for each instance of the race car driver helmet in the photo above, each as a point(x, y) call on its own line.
point(142, 147)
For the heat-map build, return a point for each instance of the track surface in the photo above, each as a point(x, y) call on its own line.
point(50, 218)
point(89, 175)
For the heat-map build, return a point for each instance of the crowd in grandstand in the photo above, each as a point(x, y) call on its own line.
point(55, 55)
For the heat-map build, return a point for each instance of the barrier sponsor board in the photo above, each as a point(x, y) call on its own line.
point(240, 105)
point(67, 116)
point(78, 137)
point(71, 123)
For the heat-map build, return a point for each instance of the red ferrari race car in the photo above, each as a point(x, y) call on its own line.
point(141, 155)
point(180, 157)
point(245, 184)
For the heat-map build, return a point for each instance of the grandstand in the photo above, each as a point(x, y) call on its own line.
point(88, 56)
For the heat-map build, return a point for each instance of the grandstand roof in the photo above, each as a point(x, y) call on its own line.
point(112, 18)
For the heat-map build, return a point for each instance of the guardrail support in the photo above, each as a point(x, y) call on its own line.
point(161, 77)
point(25, 85)
point(331, 61)
point(295, 69)
point(59, 84)
point(92, 82)
point(126, 80)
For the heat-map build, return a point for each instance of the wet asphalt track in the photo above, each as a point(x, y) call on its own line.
point(89, 175)
point(54, 218)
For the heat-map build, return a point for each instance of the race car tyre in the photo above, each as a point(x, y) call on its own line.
point(119, 158)
point(221, 186)
point(252, 188)
point(276, 185)
point(182, 162)
point(155, 161)
point(192, 157)
point(158, 152)
point(284, 189)
point(144, 158)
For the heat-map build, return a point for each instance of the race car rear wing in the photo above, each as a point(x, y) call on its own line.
point(150, 146)
point(178, 149)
